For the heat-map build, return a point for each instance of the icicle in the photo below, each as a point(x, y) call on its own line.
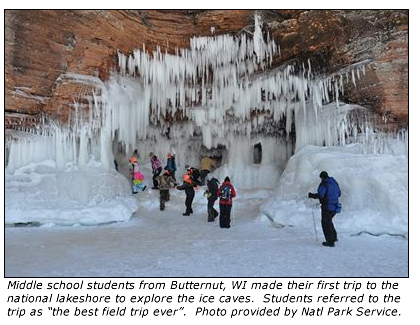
point(353, 78)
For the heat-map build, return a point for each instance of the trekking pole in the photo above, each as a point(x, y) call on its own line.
point(313, 219)
point(233, 215)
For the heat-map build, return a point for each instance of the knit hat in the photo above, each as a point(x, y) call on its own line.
point(227, 179)
point(323, 175)
point(187, 166)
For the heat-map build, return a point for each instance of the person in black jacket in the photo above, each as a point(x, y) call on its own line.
point(194, 173)
point(188, 186)
point(211, 194)
point(328, 193)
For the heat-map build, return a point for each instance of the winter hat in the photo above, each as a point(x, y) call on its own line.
point(151, 154)
point(166, 172)
point(169, 155)
point(227, 179)
point(323, 175)
point(187, 166)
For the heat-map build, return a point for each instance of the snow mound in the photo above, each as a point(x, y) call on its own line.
point(374, 189)
point(38, 193)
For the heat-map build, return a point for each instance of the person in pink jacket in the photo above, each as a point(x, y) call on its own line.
point(137, 176)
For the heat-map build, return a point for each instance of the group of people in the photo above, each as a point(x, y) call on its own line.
point(192, 179)
point(137, 177)
point(225, 193)
point(328, 191)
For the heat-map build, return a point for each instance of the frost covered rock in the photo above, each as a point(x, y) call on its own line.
point(374, 189)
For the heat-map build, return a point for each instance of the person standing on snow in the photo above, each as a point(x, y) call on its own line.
point(136, 176)
point(194, 173)
point(328, 193)
point(165, 183)
point(188, 187)
point(156, 169)
point(171, 165)
point(211, 194)
point(206, 166)
point(226, 193)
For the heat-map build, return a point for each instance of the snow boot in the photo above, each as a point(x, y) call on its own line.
point(328, 244)
point(185, 214)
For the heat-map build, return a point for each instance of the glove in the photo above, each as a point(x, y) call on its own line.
point(311, 196)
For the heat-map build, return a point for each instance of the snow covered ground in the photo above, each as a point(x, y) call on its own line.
point(155, 243)
point(167, 244)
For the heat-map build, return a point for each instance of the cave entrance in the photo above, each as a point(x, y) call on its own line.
point(218, 154)
point(257, 154)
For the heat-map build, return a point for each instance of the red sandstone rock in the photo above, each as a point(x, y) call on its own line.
point(42, 45)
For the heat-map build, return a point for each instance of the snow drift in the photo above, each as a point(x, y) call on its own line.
point(374, 189)
point(38, 194)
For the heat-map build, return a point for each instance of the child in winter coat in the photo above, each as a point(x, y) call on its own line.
point(137, 176)
point(156, 169)
point(206, 165)
point(226, 193)
point(165, 182)
point(188, 187)
point(171, 165)
point(211, 194)
point(194, 173)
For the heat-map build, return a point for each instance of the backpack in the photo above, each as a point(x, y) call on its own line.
point(225, 192)
point(196, 174)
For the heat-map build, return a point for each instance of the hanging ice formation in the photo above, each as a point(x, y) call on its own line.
point(217, 93)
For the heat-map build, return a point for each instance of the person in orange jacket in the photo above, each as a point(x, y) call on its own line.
point(226, 193)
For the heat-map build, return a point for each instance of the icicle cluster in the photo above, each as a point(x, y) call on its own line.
point(217, 92)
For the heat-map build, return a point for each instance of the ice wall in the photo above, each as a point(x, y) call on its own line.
point(374, 189)
point(219, 91)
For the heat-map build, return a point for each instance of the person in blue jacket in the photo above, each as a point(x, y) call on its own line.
point(328, 194)
point(171, 166)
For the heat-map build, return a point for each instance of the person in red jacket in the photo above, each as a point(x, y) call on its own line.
point(226, 193)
